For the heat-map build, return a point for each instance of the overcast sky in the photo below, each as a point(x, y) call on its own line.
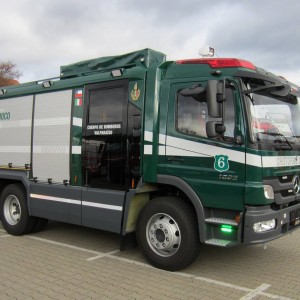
point(41, 35)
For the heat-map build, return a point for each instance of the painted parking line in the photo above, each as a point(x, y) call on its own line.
point(64, 245)
point(5, 235)
point(251, 293)
point(256, 292)
point(103, 255)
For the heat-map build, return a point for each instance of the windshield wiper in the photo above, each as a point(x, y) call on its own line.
point(282, 92)
point(279, 141)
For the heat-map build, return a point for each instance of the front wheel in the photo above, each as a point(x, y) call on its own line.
point(14, 212)
point(167, 233)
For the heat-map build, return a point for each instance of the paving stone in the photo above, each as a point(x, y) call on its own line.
point(36, 269)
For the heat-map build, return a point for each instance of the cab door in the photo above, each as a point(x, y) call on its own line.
point(104, 154)
point(213, 167)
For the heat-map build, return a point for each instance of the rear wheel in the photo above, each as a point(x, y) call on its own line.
point(14, 212)
point(167, 233)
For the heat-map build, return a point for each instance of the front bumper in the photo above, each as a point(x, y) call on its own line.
point(287, 220)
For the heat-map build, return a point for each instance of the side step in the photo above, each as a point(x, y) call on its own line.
point(221, 221)
point(220, 243)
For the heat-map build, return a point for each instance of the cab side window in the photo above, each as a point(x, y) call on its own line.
point(192, 114)
point(229, 114)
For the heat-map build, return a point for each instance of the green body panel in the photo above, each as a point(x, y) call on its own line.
point(76, 135)
point(215, 189)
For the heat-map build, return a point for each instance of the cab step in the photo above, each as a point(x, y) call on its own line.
point(220, 243)
point(221, 221)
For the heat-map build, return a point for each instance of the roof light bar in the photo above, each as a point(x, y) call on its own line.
point(219, 62)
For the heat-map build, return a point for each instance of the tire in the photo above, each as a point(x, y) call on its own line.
point(167, 233)
point(14, 212)
point(39, 225)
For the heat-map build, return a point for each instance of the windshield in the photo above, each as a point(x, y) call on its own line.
point(274, 121)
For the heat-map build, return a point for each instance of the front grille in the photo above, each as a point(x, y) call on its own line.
point(284, 189)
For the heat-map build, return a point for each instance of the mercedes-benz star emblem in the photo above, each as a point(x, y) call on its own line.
point(296, 184)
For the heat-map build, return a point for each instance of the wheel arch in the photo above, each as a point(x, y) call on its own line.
point(181, 185)
point(8, 177)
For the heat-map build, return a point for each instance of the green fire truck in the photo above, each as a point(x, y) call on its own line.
point(178, 153)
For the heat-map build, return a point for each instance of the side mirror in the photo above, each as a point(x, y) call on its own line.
point(215, 97)
point(214, 129)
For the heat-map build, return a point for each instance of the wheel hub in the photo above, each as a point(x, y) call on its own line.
point(12, 210)
point(163, 235)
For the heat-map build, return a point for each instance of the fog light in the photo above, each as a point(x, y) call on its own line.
point(264, 226)
point(269, 192)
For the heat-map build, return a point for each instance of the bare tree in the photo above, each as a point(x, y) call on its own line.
point(8, 70)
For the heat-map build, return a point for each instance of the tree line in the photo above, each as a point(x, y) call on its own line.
point(9, 73)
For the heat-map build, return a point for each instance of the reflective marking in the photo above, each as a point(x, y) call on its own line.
point(182, 152)
point(57, 199)
point(181, 147)
point(77, 122)
point(253, 160)
point(101, 205)
point(15, 149)
point(62, 149)
point(76, 149)
point(162, 139)
point(148, 136)
point(52, 121)
point(16, 124)
point(148, 149)
point(162, 150)
point(280, 161)
point(78, 202)
point(204, 149)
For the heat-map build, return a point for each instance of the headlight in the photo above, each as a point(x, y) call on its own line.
point(269, 192)
point(264, 226)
